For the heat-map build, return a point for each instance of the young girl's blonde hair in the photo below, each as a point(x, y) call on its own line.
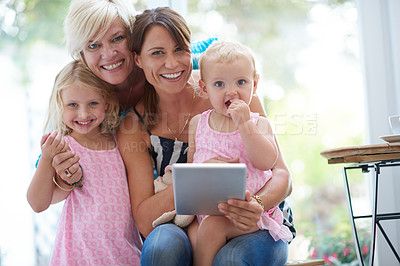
point(77, 74)
point(226, 52)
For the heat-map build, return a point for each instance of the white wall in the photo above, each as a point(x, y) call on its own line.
point(380, 54)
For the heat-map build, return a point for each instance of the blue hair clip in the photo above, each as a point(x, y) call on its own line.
point(199, 47)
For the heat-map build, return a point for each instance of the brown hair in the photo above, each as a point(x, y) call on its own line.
point(180, 32)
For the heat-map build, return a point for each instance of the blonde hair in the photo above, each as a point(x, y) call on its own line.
point(74, 74)
point(87, 18)
point(226, 52)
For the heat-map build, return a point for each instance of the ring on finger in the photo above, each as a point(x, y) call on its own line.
point(67, 172)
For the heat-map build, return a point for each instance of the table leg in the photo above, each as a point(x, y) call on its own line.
point(353, 224)
point(374, 212)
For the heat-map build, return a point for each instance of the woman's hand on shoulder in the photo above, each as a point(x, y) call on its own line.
point(64, 161)
point(67, 160)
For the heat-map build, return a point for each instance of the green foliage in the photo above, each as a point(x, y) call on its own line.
point(45, 20)
point(25, 23)
point(337, 247)
point(265, 25)
point(28, 21)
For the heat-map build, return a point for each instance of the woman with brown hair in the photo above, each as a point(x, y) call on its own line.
point(155, 133)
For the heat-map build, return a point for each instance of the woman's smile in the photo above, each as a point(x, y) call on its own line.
point(172, 76)
point(114, 65)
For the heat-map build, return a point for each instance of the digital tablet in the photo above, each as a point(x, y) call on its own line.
point(199, 187)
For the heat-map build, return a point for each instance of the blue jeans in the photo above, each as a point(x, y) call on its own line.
point(168, 244)
point(258, 248)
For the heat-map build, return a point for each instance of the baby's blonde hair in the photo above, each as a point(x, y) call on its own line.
point(76, 74)
point(226, 52)
point(87, 18)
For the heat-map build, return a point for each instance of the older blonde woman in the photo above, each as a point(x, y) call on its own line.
point(99, 32)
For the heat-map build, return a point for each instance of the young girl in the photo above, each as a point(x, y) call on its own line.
point(230, 130)
point(96, 226)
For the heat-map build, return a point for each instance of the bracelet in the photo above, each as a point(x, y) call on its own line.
point(75, 184)
point(65, 182)
point(259, 200)
point(60, 187)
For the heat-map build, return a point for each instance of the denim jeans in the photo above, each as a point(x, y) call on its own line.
point(168, 244)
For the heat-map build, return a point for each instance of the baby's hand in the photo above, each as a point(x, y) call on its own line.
point(51, 144)
point(239, 111)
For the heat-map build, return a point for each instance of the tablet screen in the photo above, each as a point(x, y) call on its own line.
point(199, 187)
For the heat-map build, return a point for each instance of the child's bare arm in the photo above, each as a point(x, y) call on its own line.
point(259, 143)
point(42, 190)
point(280, 186)
point(257, 138)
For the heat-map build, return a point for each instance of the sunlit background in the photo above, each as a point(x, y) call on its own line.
point(308, 54)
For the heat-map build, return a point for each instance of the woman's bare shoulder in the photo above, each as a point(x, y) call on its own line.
point(195, 120)
point(201, 104)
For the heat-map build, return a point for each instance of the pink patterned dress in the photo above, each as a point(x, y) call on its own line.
point(211, 143)
point(96, 226)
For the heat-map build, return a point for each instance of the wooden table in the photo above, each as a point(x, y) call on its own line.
point(366, 157)
point(365, 153)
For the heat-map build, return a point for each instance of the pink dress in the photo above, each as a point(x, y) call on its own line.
point(211, 143)
point(96, 226)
